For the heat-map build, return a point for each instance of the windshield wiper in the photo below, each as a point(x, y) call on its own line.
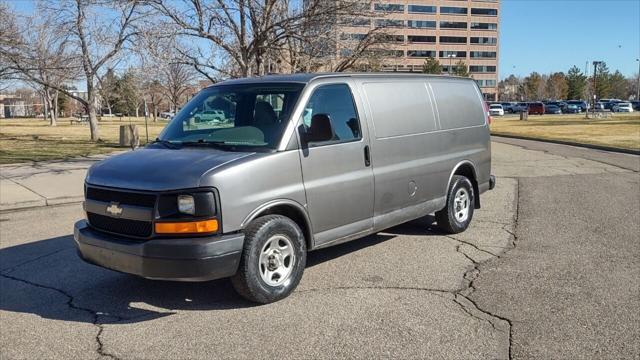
point(167, 143)
point(203, 142)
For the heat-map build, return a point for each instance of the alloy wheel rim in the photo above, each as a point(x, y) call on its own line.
point(276, 260)
point(461, 204)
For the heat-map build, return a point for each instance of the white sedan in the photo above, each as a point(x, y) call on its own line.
point(623, 107)
point(496, 109)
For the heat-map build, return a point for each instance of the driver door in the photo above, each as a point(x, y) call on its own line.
point(337, 173)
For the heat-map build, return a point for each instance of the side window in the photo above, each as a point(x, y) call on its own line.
point(335, 101)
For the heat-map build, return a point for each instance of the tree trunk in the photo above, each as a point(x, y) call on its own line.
point(92, 104)
point(53, 120)
point(45, 104)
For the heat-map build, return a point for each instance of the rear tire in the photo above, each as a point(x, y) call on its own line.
point(273, 260)
point(457, 215)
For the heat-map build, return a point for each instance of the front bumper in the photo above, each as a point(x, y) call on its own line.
point(179, 259)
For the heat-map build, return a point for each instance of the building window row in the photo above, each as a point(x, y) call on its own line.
point(425, 9)
point(482, 69)
point(424, 39)
point(483, 54)
point(483, 40)
point(486, 83)
point(456, 54)
point(426, 24)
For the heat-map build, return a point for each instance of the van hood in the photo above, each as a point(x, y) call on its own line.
point(159, 169)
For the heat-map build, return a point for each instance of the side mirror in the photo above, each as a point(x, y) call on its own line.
point(320, 129)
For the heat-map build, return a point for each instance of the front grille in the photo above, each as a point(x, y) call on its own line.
point(121, 197)
point(141, 229)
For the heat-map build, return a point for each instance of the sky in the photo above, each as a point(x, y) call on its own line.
point(553, 35)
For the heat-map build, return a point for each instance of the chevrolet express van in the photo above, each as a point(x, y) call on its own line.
point(289, 164)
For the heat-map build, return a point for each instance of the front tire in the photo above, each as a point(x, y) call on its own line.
point(457, 215)
point(273, 260)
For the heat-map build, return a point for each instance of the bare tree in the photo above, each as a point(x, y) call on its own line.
point(247, 36)
point(37, 52)
point(98, 38)
point(176, 82)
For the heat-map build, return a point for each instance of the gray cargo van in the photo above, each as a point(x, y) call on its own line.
point(287, 165)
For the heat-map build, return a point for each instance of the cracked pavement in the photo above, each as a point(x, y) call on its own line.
point(543, 271)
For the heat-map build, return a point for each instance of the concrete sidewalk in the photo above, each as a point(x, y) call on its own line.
point(43, 183)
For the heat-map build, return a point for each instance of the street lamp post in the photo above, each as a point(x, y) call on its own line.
point(450, 56)
point(595, 75)
point(638, 85)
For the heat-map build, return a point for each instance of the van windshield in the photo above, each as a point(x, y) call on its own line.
point(250, 117)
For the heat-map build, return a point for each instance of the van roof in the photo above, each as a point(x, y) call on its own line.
point(308, 77)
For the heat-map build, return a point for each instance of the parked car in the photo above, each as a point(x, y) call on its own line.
point(609, 105)
point(571, 109)
point(636, 105)
point(209, 116)
point(623, 107)
point(507, 107)
point(582, 104)
point(249, 199)
point(167, 115)
point(496, 109)
point(536, 108)
point(520, 107)
point(552, 109)
point(599, 106)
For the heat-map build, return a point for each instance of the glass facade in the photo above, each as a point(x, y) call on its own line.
point(386, 23)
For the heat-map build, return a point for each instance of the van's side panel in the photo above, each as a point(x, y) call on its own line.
point(404, 149)
point(464, 133)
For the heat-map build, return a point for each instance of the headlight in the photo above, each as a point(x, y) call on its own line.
point(186, 204)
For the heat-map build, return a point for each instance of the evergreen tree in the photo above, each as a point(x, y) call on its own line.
point(431, 66)
point(461, 69)
point(576, 83)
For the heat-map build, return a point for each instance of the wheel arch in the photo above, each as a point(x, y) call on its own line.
point(467, 169)
point(285, 207)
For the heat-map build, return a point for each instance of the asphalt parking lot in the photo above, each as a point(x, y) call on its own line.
point(548, 269)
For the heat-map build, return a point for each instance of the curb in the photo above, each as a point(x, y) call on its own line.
point(570, 143)
point(35, 204)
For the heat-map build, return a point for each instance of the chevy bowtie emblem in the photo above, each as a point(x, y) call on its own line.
point(114, 210)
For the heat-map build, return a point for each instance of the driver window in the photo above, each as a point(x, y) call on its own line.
point(335, 101)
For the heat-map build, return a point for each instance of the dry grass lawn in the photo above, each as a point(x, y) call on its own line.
point(23, 140)
point(619, 131)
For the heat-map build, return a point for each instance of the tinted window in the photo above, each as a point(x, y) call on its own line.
point(421, 39)
point(236, 116)
point(336, 102)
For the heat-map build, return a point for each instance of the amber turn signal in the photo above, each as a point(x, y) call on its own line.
point(190, 227)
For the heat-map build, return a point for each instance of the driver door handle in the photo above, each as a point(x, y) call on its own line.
point(367, 156)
